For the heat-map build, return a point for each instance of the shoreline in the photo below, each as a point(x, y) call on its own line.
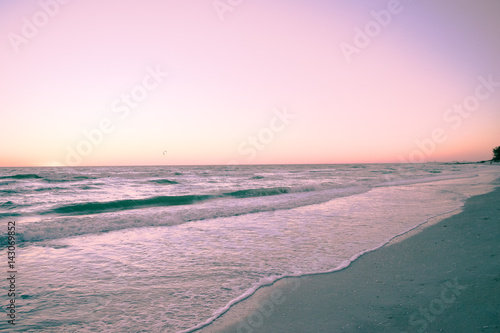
point(256, 298)
point(372, 294)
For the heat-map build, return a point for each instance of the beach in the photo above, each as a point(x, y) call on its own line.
point(445, 278)
point(250, 166)
point(175, 249)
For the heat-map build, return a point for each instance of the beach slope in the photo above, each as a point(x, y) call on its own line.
point(445, 278)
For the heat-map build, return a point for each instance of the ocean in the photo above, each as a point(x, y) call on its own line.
point(171, 248)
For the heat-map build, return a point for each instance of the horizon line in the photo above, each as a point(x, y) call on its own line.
point(232, 165)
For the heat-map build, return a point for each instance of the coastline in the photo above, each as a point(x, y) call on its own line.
point(444, 277)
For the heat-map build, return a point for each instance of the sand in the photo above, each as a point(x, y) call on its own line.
point(445, 278)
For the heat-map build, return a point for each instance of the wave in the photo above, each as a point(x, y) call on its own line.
point(86, 208)
point(22, 176)
point(84, 177)
point(9, 191)
point(55, 227)
point(59, 180)
point(260, 192)
point(163, 181)
point(8, 215)
point(86, 187)
point(72, 179)
point(263, 192)
point(49, 180)
point(346, 262)
point(44, 189)
point(80, 218)
point(117, 205)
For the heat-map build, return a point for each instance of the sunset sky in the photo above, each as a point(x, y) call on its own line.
point(163, 82)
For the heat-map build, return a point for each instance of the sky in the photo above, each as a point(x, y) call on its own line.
point(164, 82)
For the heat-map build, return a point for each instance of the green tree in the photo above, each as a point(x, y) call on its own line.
point(496, 154)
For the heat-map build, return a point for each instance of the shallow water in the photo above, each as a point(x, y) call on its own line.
point(166, 268)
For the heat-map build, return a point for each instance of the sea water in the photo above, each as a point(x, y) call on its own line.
point(168, 249)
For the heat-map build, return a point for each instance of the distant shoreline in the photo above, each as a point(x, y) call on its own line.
point(230, 165)
point(478, 162)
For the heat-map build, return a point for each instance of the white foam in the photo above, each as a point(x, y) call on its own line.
point(62, 226)
point(272, 279)
point(346, 263)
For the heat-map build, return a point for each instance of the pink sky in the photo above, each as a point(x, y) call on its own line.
point(229, 80)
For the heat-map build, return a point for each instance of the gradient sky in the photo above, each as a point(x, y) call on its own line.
point(227, 79)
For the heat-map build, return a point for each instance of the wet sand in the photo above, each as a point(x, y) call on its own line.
point(445, 278)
